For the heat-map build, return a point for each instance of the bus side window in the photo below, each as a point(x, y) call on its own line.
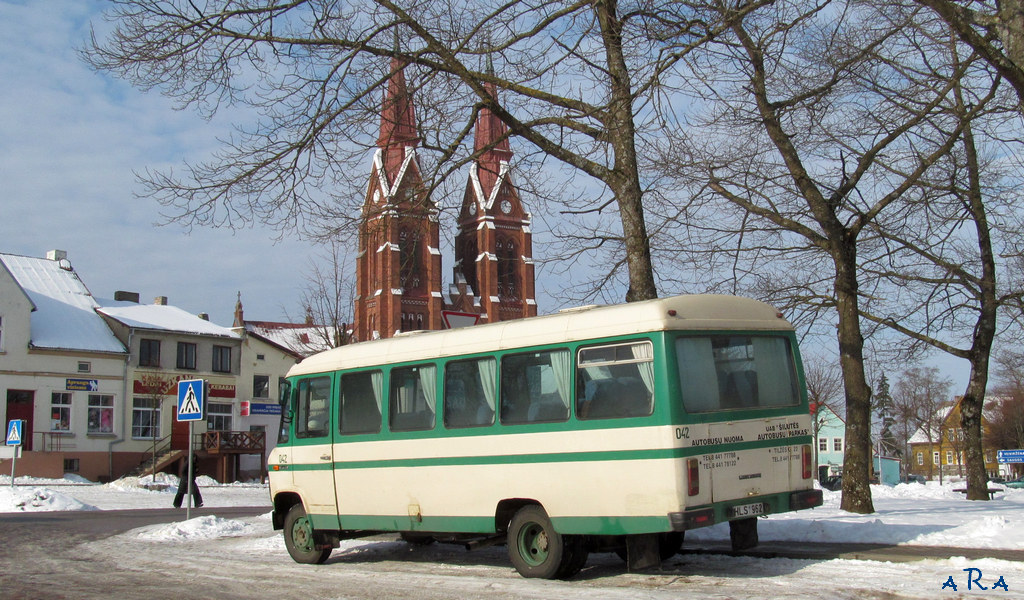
point(469, 393)
point(312, 414)
point(286, 400)
point(615, 381)
point(360, 400)
point(413, 398)
point(535, 387)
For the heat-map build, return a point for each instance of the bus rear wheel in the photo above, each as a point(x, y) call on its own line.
point(300, 540)
point(537, 550)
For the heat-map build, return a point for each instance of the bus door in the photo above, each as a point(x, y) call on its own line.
point(312, 454)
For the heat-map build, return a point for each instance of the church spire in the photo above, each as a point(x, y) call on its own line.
point(397, 121)
point(239, 318)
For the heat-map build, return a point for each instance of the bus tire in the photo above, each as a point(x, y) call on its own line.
point(537, 551)
point(300, 540)
point(743, 533)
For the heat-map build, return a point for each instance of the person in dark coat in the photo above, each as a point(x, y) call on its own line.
point(183, 484)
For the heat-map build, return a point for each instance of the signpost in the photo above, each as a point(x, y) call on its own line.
point(191, 406)
point(1010, 456)
point(15, 431)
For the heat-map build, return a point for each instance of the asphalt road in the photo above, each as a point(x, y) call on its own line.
point(61, 555)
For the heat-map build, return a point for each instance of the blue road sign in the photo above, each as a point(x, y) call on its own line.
point(15, 428)
point(1010, 456)
point(191, 399)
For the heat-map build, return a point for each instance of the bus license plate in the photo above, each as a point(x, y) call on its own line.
point(747, 510)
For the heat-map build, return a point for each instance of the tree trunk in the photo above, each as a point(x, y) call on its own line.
point(857, 456)
point(625, 176)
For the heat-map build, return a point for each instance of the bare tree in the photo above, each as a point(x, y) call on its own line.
point(811, 130)
point(577, 81)
point(994, 29)
point(921, 398)
point(941, 254)
point(328, 297)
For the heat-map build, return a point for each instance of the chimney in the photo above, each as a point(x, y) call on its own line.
point(56, 255)
point(160, 300)
point(122, 296)
point(204, 316)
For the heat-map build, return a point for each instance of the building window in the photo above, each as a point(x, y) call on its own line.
point(60, 411)
point(101, 413)
point(84, 366)
point(920, 459)
point(507, 262)
point(71, 465)
point(149, 353)
point(145, 418)
point(218, 417)
point(221, 359)
point(410, 270)
point(186, 356)
point(260, 386)
point(988, 456)
point(837, 445)
point(935, 458)
point(823, 444)
point(949, 457)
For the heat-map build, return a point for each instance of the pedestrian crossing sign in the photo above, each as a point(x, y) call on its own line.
point(191, 399)
point(14, 432)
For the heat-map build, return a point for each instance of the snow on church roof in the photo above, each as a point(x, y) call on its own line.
point(65, 312)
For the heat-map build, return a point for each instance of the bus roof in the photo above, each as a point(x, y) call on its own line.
point(695, 312)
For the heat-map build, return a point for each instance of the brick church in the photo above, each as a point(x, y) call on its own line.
point(398, 268)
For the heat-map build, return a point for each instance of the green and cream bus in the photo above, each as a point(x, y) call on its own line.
point(613, 428)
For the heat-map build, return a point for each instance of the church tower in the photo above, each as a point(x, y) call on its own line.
point(398, 268)
point(493, 246)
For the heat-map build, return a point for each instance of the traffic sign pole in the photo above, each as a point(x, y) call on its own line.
point(15, 429)
point(191, 407)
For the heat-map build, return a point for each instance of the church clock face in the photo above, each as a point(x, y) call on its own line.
point(506, 206)
point(472, 208)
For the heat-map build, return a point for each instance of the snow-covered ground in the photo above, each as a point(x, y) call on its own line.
point(907, 514)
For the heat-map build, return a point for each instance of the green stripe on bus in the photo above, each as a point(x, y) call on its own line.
point(486, 524)
point(511, 459)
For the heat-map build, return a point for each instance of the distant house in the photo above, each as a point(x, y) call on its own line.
point(61, 368)
point(937, 451)
point(830, 445)
point(829, 441)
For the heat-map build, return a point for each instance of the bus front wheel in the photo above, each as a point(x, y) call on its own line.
point(537, 550)
point(300, 540)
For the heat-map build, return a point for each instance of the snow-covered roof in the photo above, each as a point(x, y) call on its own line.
point(301, 339)
point(65, 312)
point(161, 317)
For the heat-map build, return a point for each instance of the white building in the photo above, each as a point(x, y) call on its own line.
point(62, 370)
point(95, 380)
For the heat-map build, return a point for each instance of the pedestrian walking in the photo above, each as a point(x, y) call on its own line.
point(185, 475)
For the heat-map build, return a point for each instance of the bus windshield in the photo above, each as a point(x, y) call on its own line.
point(729, 372)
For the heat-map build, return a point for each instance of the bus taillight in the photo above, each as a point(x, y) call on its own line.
point(805, 461)
point(692, 477)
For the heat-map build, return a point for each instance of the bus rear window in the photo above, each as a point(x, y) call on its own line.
point(728, 372)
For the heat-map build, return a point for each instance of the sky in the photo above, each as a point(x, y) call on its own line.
point(907, 514)
point(71, 141)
